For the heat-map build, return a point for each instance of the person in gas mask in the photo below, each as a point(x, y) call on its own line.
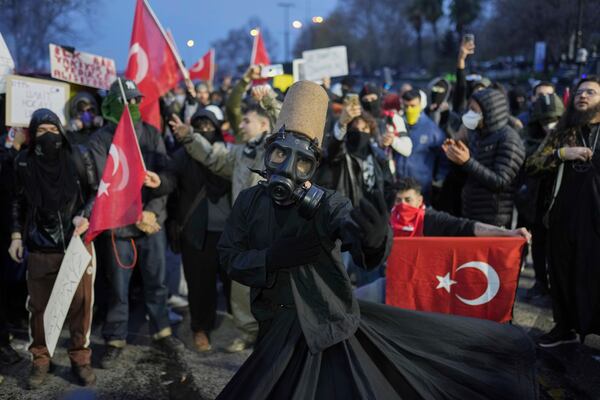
point(85, 118)
point(55, 184)
point(491, 159)
point(202, 204)
point(316, 341)
point(426, 162)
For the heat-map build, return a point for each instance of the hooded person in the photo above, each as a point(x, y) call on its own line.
point(492, 160)
point(143, 243)
point(316, 341)
point(85, 118)
point(53, 200)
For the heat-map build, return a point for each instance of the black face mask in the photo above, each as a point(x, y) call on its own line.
point(357, 141)
point(211, 136)
point(48, 146)
point(290, 162)
point(372, 107)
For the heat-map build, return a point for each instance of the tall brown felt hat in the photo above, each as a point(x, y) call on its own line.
point(304, 110)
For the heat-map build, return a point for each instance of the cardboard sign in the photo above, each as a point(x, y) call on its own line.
point(82, 68)
point(72, 268)
point(7, 65)
point(25, 95)
point(330, 62)
point(298, 70)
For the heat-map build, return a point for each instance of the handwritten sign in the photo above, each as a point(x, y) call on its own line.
point(7, 65)
point(72, 268)
point(82, 68)
point(330, 62)
point(25, 95)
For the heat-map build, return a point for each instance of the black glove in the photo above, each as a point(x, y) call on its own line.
point(372, 218)
point(293, 251)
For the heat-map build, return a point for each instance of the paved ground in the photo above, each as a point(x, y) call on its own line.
point(569, 372)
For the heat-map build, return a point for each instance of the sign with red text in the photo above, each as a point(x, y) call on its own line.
point(82, 68)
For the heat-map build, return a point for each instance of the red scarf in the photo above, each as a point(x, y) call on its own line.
point(407, 220)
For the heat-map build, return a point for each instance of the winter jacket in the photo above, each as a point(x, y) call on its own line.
point(497, 154)
point(155, 158)
point(427, 161)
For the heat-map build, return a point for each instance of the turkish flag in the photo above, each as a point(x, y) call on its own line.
point(119, 198)
point(204, 69)
point(259, 52)
point(153, 63)
point(474, 277)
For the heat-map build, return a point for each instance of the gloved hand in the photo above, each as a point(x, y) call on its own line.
point(372, 218)
point(293, 252)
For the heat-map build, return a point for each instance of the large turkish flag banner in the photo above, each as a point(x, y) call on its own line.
point(153, 64)
point(259, 51)
point(119, 198)
point(474, 277)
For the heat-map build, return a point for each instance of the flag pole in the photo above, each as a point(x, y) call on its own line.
point(212, 65)
point(184, 71)
point(126, 109)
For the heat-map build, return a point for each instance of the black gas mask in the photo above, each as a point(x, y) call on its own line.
point(291, 161)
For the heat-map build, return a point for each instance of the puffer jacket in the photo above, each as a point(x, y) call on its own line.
point(497, 154)
point(49, 231)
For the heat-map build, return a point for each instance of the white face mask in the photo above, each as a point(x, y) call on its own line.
point(471, 119)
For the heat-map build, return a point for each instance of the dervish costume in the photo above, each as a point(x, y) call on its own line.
point(284, 239)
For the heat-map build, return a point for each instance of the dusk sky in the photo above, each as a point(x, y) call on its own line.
point(200, 20)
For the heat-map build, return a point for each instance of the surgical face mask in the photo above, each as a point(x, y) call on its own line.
point(412, 114)
point(290, 162)
point(471, 119)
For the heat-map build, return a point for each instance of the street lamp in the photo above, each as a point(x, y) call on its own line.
point(297, 24)
point(190, 43)
point(254, 32)
point(286, 24)
point(317, 20)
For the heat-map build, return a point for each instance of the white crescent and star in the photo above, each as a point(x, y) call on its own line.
point(142, 61)
point(118, 158)
point(198, 67)
point(493, 283)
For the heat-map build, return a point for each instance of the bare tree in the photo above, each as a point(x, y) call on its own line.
point(235, 49)
point(29, 26)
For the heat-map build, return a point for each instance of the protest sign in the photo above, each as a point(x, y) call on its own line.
point(72, 268)
point(298, 70)
point(327, 62)
point(82, 68)
point(7, 65)
point(25, 95)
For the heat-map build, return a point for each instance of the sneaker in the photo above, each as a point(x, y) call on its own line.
point(84, 374)
point(8, 355)
point(169, 344)
point(37, 376)
point(238, 345)
point(556, 337)
point(174, 318)
point(111, 357)
point(202, 342)
point(177, 301)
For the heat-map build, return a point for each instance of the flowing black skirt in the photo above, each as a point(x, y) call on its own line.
point(395, 354)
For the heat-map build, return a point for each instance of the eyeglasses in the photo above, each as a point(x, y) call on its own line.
point(588, 92)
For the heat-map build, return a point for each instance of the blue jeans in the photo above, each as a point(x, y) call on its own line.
point(151, 262)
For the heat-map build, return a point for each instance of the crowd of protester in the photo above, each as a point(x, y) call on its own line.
point(474, 158)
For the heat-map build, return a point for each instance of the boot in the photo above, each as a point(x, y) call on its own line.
point(38, 375)
point(84, 374)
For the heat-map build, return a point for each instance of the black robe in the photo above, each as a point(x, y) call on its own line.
point(317, 342)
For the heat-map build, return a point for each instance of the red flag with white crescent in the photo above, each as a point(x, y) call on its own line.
point(204, 69)
point(153, 63)
point(259, 51)
point(119, 198)
point(474, 277)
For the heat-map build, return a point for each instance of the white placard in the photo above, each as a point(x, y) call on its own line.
point(327, 62)
point(298, 69)
point(72, 268)
point(7, 65)
point(25, 95)
point(82, 68)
